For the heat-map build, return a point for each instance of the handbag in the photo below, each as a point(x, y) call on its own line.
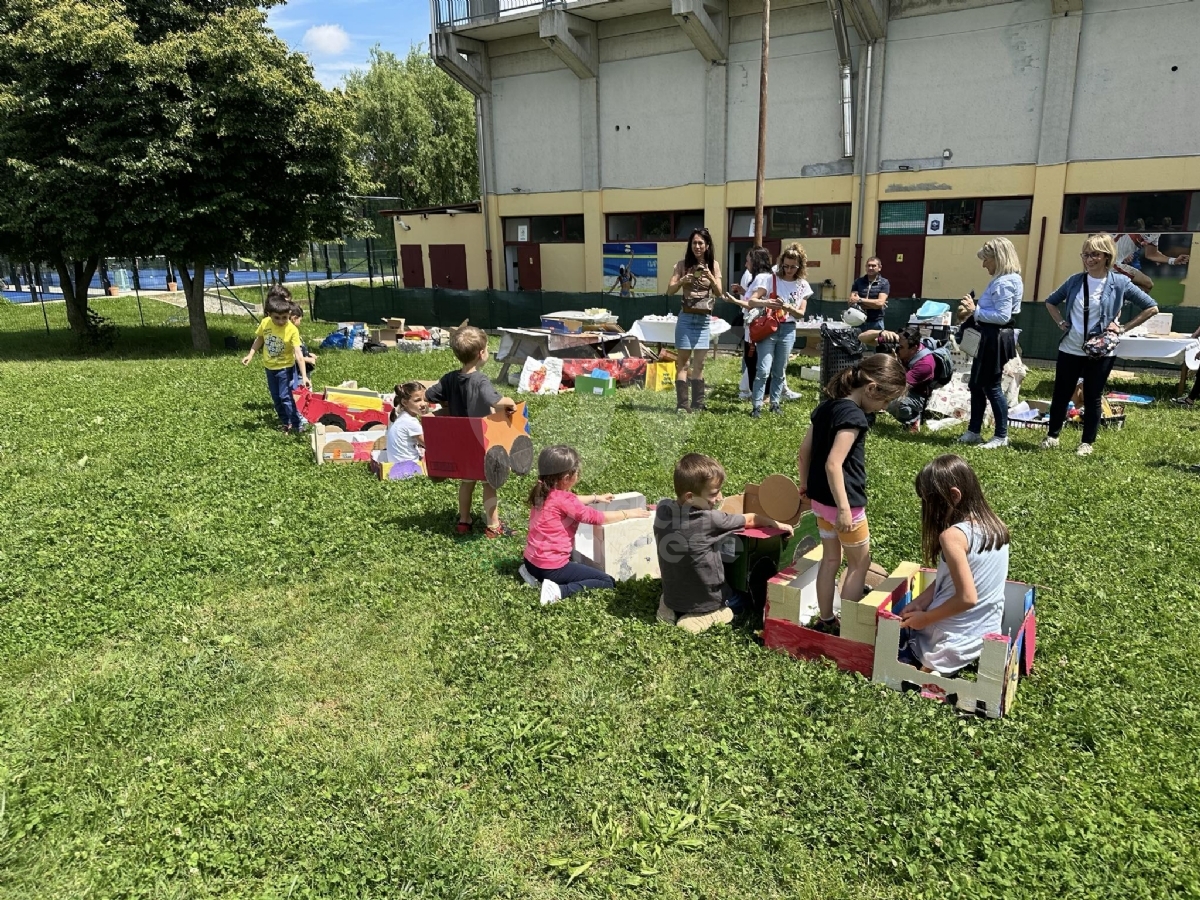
point(968, 341)
point(767, 323)
point(1098, 346)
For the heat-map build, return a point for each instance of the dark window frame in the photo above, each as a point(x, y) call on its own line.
point(811, 208)
point(562, 229)
point(979, 201)
point(1188, 194)
point(641, 237)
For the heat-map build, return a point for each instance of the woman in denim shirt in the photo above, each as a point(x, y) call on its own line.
point(1087, 305)
point(993, 314)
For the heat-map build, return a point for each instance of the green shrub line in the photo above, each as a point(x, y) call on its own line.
point(228, 672)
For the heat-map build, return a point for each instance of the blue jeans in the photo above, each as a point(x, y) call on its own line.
point(980, 398)
point(279, 384)
point(572, 578)
point(773, 355)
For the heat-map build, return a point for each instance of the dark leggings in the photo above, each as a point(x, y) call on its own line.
point(1067, 372)
point(1194, 393)
point(572, 578)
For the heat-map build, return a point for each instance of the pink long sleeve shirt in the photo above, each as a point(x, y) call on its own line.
point(552, 528)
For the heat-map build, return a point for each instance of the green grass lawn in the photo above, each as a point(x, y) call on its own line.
point(228, 672)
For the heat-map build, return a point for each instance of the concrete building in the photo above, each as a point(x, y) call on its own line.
point(910, 129)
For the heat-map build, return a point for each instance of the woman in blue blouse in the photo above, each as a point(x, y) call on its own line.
point(992, 316)
point(1085, 306)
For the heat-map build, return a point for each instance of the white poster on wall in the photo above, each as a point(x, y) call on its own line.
point(522, 233)
point(935, 223)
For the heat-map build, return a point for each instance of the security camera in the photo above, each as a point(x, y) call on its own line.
point(403, 224)
point(451, 212)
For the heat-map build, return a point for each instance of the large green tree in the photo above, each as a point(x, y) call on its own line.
point(418, 128)
point(82, 135)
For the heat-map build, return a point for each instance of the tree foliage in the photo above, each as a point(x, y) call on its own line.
point(418, 128)
point(182, 127)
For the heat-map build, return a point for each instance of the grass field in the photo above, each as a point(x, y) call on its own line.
point(226, 672)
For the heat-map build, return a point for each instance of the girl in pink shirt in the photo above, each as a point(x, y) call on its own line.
point(555, 515)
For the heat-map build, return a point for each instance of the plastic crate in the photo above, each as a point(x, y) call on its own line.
point(834, 361)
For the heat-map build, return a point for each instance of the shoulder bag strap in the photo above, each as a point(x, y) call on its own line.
point(1087, 296)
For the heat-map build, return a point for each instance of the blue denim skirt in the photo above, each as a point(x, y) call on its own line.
point(692, 331)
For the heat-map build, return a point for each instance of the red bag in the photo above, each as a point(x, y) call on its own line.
point(768, 321)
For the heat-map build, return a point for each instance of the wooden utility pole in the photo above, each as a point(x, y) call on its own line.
point(762, 127)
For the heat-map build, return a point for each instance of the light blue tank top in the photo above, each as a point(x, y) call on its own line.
point(952, 643)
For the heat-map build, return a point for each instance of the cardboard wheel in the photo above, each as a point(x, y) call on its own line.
point(333, 419)
point(374, 426)
point(779, 498)
point(521, 455)
point(496, 467)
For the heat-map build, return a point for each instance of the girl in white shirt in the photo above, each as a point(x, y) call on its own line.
point(405, 437)
point(782, 293)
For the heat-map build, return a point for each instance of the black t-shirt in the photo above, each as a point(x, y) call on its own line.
point(471, 395)
point(828, 419)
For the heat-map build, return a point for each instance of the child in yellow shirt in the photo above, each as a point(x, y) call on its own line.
point(280, 341)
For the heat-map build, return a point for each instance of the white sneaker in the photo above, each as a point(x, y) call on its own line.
point(789, 394)
point(994, 443)
point(1049, 443)
point(1084, 450)
point(551, 593)
point(527, 577)
point(970, 437)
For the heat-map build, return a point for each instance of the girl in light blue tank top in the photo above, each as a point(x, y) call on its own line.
point(969, 544)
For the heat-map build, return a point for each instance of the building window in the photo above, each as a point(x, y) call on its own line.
point(544, 230)
point(998, 215)
point(651, 227)
point(793, 222)
point(1156, 211)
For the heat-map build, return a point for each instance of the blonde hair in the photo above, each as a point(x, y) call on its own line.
point(1102, 242)
point(1001, 249)
point(467, 343)
point(796, 251)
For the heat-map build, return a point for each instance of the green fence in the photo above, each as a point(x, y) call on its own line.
point(521, 309)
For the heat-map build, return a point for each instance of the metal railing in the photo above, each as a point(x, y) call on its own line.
point(454, 13)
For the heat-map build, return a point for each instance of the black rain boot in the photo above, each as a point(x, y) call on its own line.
point(698, 395)
point(681, 396)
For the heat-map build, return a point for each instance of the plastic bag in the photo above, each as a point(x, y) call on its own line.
point(541, 376)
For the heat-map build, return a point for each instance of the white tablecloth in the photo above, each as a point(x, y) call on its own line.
point(1159, 349)
point(662, 331)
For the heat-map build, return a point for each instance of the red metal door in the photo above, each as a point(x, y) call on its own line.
point(529, 266)
point(412, 265)
point(448, 266)
point(903, 258)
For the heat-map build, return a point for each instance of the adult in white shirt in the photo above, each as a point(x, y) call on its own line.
point(782, 293)
point(1087, 306)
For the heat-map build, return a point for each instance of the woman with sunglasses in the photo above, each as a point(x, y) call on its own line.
point(699, 277)
point(1088, 305)
point(783, 293)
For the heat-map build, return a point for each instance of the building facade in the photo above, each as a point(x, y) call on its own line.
point(912, 130)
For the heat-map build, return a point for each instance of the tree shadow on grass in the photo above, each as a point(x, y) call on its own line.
point(1185, 468)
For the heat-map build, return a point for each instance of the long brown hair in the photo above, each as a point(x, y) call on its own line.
point(939, 511)
point(882, 369)
point(554, 465)
point(689, 258)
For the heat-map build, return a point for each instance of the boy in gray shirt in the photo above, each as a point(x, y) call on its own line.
point(688, 531)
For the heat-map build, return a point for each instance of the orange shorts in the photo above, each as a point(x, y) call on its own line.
point(859, 533)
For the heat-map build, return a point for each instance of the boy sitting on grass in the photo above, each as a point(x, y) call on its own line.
point(688, 531)
point(469, 392)
point(281, 343)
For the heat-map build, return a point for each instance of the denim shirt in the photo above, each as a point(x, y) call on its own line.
point(1001, 300)
point(1117, 290)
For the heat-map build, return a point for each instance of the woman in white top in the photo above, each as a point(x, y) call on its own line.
point(1086, 306)
point(782, 293)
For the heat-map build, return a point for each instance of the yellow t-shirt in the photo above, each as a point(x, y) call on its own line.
point(279, 344)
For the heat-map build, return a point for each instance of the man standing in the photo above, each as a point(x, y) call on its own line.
point(870, 293)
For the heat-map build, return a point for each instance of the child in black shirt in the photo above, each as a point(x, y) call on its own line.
point(833, 474)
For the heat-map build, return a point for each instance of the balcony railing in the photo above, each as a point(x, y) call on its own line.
point(455, 13)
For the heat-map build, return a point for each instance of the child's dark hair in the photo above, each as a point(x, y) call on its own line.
point(881, 369)
point(404, 393)
point(939, 510)
point(695, 471)
point(467, 343)
point(297, 310)
point(279, 301)
point(554, 465)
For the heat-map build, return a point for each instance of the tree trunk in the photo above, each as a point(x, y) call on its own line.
point(193, 292)
point(75, 276)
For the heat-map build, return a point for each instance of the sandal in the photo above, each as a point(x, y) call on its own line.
point(463, 528)
point(500, 530)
